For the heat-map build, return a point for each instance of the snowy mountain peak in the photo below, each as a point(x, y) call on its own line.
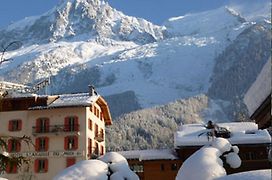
point(82, 20)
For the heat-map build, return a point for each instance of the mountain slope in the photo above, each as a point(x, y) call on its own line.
point(81, 42)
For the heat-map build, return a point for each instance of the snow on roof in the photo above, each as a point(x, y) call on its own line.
point(259, 90)
point(241, 133)
point(68, 100)
point(82, 99)
point(151, 154)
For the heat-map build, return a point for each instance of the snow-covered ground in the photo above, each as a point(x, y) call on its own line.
point(249, 175)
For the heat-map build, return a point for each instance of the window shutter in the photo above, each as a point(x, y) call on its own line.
point(76, 128)
point(36, 165)
point(9, 145)
point(14, 168)
point(8, 168)
point(19, 125)
point(46, 143)
point(38, 125)
point(70, 161)
point(46, 125)
point(45, 165)
point(76, 142)
point(66, 143)
point(66, 124)
point(37, 144)
point(18, 146)
point(10, 125)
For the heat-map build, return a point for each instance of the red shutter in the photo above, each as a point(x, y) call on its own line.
point(9, 145)
point(8, 168)
point(36, 165)
point(46, 143)
point(14, 168)
point(19, 125)
point(76, 128)
point(102, 150)
point(66, 124)
point(10, 125)
point(70, 161)
point(18, 146)
point(46, 165)
point(66, 143)
point(46, 125)
point(38, 125)
point(37, 144)
point(76, 142)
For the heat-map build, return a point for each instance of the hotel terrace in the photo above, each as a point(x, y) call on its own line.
point(64, 129)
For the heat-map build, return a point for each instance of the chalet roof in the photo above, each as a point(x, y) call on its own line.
point(57, 101)
point(241, 133)
point(151, 154)
point(259, 90)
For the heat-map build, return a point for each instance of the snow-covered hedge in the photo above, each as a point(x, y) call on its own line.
point(111, 165)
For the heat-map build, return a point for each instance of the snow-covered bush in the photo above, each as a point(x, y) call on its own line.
point(112, 165)
point(207, 162)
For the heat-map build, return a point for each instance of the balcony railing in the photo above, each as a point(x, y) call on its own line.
point(55, 129)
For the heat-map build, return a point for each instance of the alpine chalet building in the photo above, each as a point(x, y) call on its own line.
point(64, 129)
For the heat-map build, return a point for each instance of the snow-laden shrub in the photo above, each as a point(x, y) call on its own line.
point(112, 165)
point(207, 162)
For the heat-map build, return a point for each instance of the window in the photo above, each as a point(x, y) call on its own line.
point(137, 168)
point(101, 150)
point(41, 165)
point(174, 167)
point(15, 125)
point(42, 144)
point(95, 111)
point(90, 124)
point(101, 116)
point(96, 130)
point(70, 162)
point(42, 125)
point(162, 167)
point(14, 145)
point(71, 143)
point(11, 168)
point(91, 108)
point(101, 133)
point(96, 151)
point(71, 123)
point(90, 147)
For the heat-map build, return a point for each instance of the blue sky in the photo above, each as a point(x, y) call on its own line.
point(155, 11)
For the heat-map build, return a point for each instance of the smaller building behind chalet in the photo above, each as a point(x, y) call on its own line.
point(64, 129)
point(253, 143)
point(258, 98)
point(153, 164)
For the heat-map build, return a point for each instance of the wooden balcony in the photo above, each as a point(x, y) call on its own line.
point(56, 130)
point(99, 137)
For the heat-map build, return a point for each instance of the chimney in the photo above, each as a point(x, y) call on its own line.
point(92, 90)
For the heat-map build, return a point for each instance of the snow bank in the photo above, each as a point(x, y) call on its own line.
point(111, 164)
point(206, 163)
point(249, 175)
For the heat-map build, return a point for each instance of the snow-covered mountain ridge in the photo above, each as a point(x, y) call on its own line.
point(80, 42)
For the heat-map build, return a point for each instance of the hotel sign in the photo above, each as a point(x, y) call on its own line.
point(49, 154)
